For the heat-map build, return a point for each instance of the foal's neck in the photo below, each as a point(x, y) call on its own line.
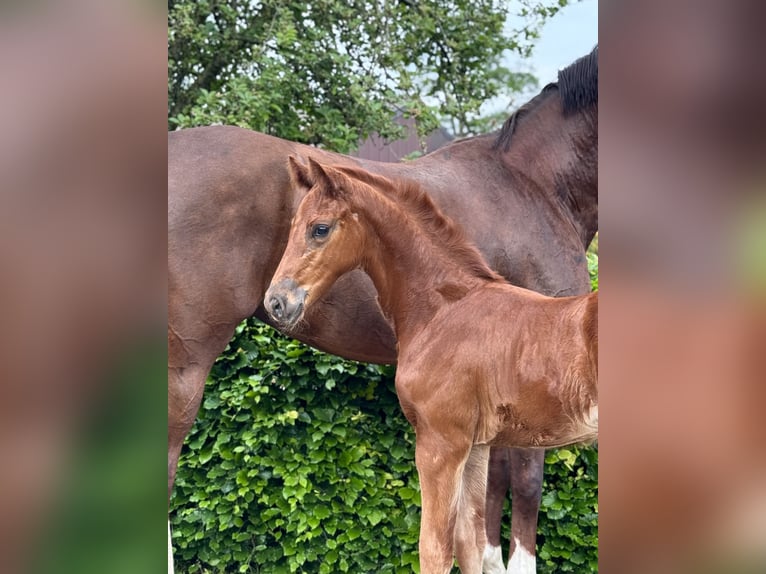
point(415, 273)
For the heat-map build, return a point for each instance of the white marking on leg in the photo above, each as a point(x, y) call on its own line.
point(592, 420)
point(170, 552)
point(586, 430)
point(521, 561)
point(493, 560)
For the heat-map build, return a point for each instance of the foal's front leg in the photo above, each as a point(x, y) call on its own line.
point(498, 485)
point(440, 468)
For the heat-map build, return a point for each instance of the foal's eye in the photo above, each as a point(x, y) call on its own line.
point(320, 231)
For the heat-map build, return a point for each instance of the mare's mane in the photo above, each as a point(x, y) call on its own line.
point(577, 87)
point(413, 202)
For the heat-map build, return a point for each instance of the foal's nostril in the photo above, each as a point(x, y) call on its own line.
point(276, 307)
point(284, 302)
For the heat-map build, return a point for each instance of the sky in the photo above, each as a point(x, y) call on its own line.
point(571, 33)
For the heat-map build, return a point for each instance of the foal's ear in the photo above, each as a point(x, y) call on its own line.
point(300, 174)
point(332, 179)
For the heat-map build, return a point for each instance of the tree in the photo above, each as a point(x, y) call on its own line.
point(330, 72)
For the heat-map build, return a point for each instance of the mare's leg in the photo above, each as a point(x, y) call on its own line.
point(440, 468)
point(170, 552)
point(188, 367)
point(470, 535)
point(526, 489)
point(498, 484)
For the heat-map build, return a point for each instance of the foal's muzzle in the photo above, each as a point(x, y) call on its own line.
point(284, 302)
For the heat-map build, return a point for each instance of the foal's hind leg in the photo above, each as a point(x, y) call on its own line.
point(470, 536)
point(526, 489)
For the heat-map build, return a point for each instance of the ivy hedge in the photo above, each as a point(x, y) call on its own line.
point(302, 462)
point(298, 461)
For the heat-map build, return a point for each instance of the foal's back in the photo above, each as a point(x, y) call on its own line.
point(511, 367)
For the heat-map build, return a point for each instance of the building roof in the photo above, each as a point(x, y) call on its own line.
point(377, 149)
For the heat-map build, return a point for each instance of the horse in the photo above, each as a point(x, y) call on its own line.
point(527, 196)
point(480, 362)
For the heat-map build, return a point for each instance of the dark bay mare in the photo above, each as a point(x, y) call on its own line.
point(526, 196)
point(480, 363)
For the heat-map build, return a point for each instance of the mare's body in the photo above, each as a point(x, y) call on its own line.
point(481, 363)
point(528, 199)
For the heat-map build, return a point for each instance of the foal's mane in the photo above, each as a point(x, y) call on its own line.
point(414, 203)
point(577, 87)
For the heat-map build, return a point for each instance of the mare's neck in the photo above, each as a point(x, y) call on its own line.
point(414, 275)
point(560, 155)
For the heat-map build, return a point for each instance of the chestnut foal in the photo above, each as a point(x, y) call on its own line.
point(481, 363)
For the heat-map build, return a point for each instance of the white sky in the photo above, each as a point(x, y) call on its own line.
point(571, 33)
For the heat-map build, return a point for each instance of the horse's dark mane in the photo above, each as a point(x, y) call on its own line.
point(418, 204)
point(578, 83)
point(577, 87)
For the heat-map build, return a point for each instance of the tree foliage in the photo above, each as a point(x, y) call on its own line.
point(331, 72)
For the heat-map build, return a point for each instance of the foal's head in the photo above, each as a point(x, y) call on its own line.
point(326, 240)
